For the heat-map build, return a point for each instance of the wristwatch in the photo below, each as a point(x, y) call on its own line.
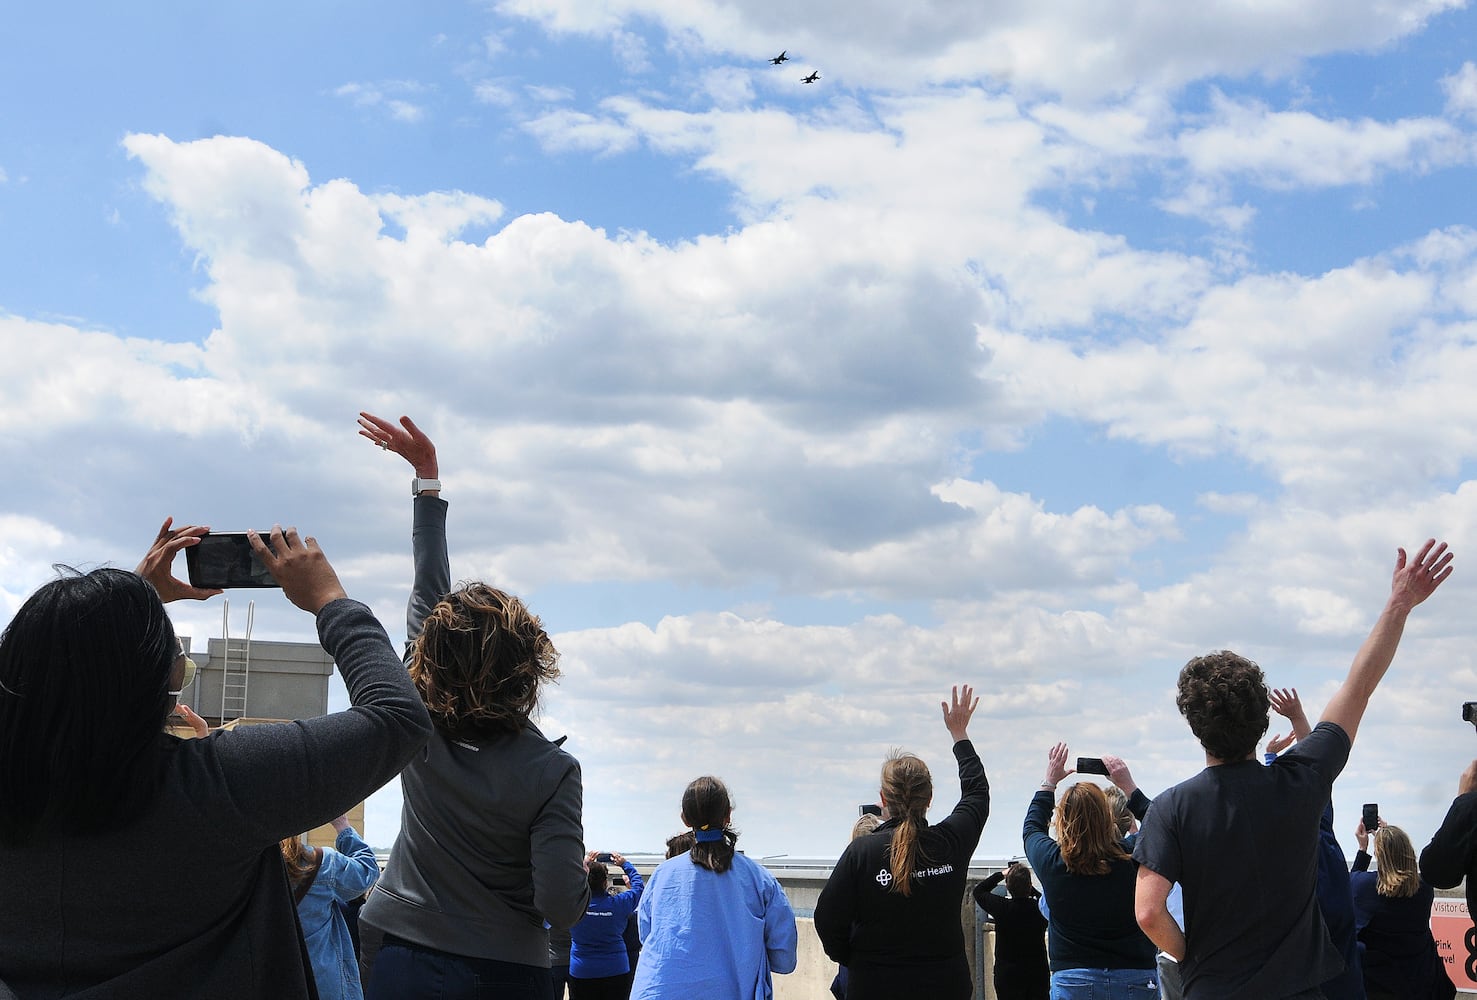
point(419, 486)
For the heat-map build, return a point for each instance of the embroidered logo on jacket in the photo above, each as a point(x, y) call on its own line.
point(884, 878)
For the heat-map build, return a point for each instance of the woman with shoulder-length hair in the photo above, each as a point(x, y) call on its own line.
point(1094, 945)
point(1392, 916)
point(95, 798)
point(491, 843)
point(713, 923)
point(890, 910)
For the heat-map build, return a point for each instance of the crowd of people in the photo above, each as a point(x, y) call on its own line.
point(490, 864)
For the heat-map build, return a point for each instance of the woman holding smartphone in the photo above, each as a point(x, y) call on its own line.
point(97, 801)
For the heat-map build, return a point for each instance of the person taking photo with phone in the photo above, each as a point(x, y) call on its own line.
point(1094, 945)
point(96, 800)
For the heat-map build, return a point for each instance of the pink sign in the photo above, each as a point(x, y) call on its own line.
point(1456, 940)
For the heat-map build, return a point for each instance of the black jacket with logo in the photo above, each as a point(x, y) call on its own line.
point(915, 942)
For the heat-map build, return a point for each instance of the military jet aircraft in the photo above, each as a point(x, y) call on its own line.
point(782, 57)
point(815, 75)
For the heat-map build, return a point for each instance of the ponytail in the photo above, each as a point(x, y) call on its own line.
point(706, 808)
point(907, 788)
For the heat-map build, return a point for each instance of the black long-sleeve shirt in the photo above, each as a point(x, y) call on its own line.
point(882, 936)
point(1452, 853)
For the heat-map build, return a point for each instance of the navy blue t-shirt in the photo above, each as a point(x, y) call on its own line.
point(1242, 841)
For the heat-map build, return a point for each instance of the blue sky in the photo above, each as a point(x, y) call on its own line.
point(1030, 347)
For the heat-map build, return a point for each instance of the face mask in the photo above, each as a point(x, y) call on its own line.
point(189, 674)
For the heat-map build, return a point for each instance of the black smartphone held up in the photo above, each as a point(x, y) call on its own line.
point(604, 858)
point(1469, 712)
point(1091, 765)
point(1371, 817)
point(226, 560)
point(869, 809)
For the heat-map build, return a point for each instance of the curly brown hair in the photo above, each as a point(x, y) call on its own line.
point(1224, 698)
point(1087, 832)
point(479, 661)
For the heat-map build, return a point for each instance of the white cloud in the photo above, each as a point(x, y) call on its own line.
point(389, 96)
point(566, 131)
point(630, 51)
point(1086, 51)
point(1461, 91)
point(1283, 149)
point(495, 92)
point(547, 94)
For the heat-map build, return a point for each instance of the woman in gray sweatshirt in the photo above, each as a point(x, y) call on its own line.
point(491, 843)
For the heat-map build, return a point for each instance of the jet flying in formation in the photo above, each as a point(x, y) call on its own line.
point(812, 78)
point(782, 57)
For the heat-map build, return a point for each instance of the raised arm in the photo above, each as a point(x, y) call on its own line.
point(1414, 581)
point(1452, 852)
point(334, 760)
point(974, 786)
point(1286, 703)
point(432, 579)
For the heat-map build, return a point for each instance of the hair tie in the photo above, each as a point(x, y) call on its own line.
point(705, 836)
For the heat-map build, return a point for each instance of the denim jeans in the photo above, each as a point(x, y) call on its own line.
point(406, 971)
point(1105, 984)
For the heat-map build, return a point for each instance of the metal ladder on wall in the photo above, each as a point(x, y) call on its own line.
point(236, 666)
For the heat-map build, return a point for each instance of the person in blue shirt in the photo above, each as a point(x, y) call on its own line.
point(713, 923)
point(342, 874)
point(598, 961)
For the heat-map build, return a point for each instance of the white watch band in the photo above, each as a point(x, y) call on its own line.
point(419, 486)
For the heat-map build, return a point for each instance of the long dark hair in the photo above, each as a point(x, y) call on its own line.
point(84, 691)
point(706, 806)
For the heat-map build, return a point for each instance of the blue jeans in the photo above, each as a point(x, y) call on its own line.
point(1105, 984)
point(406, 971)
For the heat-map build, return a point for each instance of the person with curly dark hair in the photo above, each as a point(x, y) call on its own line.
point(1240, 831)
point(491, 842)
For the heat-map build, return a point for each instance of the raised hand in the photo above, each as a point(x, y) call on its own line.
point(1277, 744)
point(299, 567)
point(1416, 579)
point(406, 440)
point(158, 563)
point(1056, 765)
point(1468, 781)
point(1118, 773)
point(1286, 703)
point(958, 711)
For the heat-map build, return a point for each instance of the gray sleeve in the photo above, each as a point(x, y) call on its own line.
point(334, 760)
point(432, 565)
point(561, 888)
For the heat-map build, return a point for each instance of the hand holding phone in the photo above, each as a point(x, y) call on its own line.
point(300, 567)
point(1371, 817)
point(869, 809)
point(1091, 765)
point(225, 560)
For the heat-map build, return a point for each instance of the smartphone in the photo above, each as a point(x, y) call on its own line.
point(1371, 817)
point(869, 809)
point(1468, 713)
point(604, 859)
point(226, 560)
point(1091, 765)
